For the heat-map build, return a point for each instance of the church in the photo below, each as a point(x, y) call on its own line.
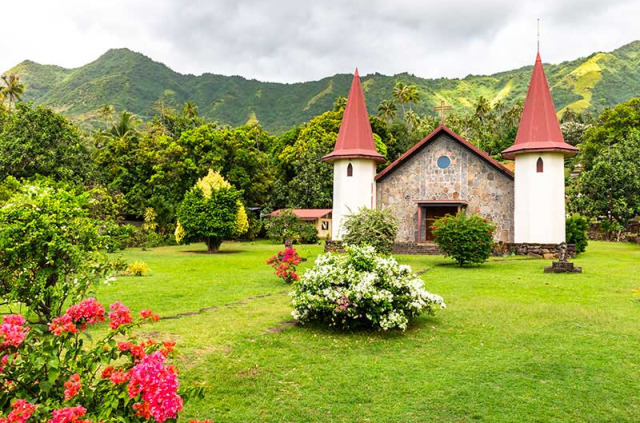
point(444, 173)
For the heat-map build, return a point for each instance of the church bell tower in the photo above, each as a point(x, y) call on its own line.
point(539, 151)
point(354, 160)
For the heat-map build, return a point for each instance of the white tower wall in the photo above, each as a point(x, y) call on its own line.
point(351, 193)
point(539, 199)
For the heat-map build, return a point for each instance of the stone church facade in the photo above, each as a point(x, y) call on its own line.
point(440, 175)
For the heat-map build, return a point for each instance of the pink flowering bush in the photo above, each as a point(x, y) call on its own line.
point(285, 264)
point(52, 374)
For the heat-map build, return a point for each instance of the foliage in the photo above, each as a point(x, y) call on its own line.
point(374, 227)
point(118, 73)
point(65, 374)
point(50, 249)
point(211, 211)
point(137, 268)
point(468, 239)
point(285, 263)
point(37, 141)
point(154, 168)
point(609, 190)
point(286, 226)
point(576, 232)
point(361, 289)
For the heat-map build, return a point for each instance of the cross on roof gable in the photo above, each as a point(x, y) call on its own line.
point(432, 136)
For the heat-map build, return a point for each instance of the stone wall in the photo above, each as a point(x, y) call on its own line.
point(487, 190)
point(426, 249)
point(543, 251)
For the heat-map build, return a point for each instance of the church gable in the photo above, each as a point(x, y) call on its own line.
point(430, 138)
point(440, 175)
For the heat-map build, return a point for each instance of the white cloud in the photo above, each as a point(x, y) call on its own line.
point(293, 40)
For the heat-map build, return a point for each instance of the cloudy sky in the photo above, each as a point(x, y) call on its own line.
point(299, 40)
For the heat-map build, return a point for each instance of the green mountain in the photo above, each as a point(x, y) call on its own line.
point(134, 82)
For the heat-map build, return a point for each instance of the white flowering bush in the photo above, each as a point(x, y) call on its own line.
point(361, 289)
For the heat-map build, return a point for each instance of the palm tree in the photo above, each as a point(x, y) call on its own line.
point(106, 112)
point(483, 108)
point(412, 119)
point(125, 126)
point(13, 88)
point(400, 94)
point(412, 96)
point(387, 110)
point(190, 110)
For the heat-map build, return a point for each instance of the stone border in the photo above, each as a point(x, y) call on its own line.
point(541, 251)
point(425, 249)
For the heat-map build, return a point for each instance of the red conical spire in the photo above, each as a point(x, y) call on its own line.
point(355, 139)
point(539, 129)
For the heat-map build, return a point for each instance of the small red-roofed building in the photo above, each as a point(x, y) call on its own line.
point(320, 218)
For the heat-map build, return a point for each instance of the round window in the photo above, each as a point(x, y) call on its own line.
point(443, 162)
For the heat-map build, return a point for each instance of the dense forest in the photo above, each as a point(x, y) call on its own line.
point(141, 169)
point(133, 82)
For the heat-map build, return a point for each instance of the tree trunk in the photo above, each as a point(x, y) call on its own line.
point(213, 245)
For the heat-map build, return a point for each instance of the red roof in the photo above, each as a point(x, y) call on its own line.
point(355, 139)
point(539, 129)
point(413, 150)
point(305, 214)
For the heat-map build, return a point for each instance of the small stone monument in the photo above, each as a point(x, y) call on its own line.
point(562, 265)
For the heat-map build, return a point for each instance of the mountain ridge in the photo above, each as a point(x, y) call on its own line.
point(132, 81)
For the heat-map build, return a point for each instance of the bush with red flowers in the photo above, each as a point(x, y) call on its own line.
point(468, 239)
point(285, 264)
point(53, 374)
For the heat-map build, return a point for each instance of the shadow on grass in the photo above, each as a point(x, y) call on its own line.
point(415, 324)
point(219, 253)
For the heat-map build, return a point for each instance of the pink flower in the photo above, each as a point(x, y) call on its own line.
point(62, 324)
point(68, 414)
point(157, 386)
point(119, 377)
point(119, 315)
point(20, 412)
point(12, 331)
point(87, 312)
point(72, 387)
point(148, 314)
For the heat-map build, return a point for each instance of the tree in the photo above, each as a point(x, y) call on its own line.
point(387, 110)
point(399, 95)
point(50, 249)
point(37, 141)
point(211, 212)
point(13, 88)
point(106, 112)
point(609, 190)
point(190, 110)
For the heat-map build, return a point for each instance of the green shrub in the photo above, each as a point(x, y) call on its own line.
point(576, 232)
point(374, 227)
point(137, 268)
point(50, 249)
point(361, 289)
point(466, 239)
point(287, 226)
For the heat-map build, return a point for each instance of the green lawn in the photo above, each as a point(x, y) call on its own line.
point(513, 345)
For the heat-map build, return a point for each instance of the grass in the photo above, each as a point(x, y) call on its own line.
point(514, 345)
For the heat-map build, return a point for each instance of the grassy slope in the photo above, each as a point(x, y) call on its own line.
point(513, 345)
point(134, 82)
